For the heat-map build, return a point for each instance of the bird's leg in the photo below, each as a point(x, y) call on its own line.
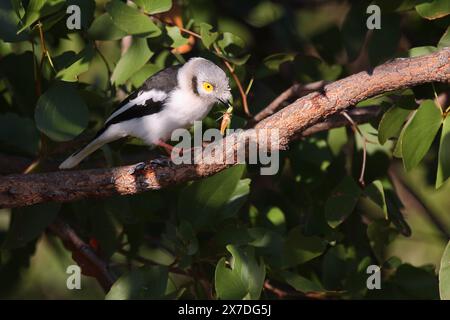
point(167, 147)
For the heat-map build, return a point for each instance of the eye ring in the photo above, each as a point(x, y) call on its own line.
point(208, 87)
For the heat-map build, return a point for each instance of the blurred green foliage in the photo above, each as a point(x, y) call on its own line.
point(312, 228)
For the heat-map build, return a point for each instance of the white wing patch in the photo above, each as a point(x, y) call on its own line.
point(143, 96)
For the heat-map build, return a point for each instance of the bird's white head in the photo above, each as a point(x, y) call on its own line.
point(206, 80)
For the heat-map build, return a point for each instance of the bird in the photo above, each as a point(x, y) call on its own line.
point(171, 99)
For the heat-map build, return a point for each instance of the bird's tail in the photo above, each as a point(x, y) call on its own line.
point(78, 156)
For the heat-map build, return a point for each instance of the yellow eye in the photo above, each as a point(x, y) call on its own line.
point(208, 87)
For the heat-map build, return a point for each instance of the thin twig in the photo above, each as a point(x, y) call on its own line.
point(236, 80)
point(364, 142)
point(295, 91)
point(285, 293)
point(74, 243)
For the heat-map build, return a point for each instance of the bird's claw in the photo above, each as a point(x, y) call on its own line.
point(162, 162)
point(138, 167)
point(158, 162)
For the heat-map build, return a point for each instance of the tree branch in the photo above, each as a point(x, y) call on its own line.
point(295, 91)
point(82, 253)
point(22, 190)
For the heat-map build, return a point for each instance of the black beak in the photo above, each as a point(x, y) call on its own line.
point(226, 103)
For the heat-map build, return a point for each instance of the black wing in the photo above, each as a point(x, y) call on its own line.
point(164, 80)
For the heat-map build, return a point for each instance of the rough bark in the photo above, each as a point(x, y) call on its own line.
point(21, 190)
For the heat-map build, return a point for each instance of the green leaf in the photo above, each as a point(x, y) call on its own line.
point(208, 37)
point(265, 13)
point(28, 223)
point(60, 112)
point(9, 23)
point(374, 201)
point(398, 145)
point(232, 47)
point(103, 28)
point(20, 133)
point(342, 201)
point(299, 248)
point(444, 274)
point(245, 278)
point(38, 9)
point(434, 10)
point(396, 216)
point(420, 133)
point(336, 140)
point(277, 218)
point(131, 20)
point(443, 172)
point(200, 201)
point(421, 51)
point(78, 65)
point(177, 39)
point(380, 234)
point(143, 74)
point(274, 61)
point(391, 123)
point(133, 60)
point(154, 6)
point(236, 201)
point(300, 283)
point(148, 282)
point(445, 39)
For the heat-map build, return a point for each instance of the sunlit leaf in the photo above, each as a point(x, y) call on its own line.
point(434, 10)
point(177, 38)
point(243, 279)
point(420, 133)
point(77, 66)
point(208, 37)
point(154, 6)
point(40, 8)
point(133, 60)
point(443, 172)
point(445, 39)
point(444, 274)
point(131, 20)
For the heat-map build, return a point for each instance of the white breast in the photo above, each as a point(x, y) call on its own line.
point(180, 111)
point(185, 107)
